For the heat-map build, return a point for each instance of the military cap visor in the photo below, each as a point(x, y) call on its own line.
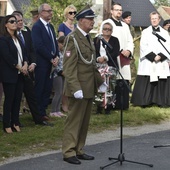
point(87, 13)
point(126, 14)
point(34, 12)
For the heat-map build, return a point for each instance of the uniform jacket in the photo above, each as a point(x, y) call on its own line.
point(78, 75)
point(9, 59)
point(42, 44)
point(132, 31)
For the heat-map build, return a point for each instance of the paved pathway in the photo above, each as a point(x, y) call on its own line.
point(138, 145)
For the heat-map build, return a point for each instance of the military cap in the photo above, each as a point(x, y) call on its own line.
point(126, 14)
point(34, 12)
point(166, 22)
point(86, 12)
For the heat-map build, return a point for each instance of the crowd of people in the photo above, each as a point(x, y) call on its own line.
point(35, 63)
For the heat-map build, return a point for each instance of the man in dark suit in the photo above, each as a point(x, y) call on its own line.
point(24, 34)
point(81, 82)
point(46, 48)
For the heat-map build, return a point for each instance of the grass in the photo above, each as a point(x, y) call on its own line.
point(35, 139)
point(32, 139)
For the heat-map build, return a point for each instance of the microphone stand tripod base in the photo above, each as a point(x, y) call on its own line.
point(158, 146)
point(121, 159)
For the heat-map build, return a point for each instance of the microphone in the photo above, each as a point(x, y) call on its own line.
point(104, 41)
point(158, 36)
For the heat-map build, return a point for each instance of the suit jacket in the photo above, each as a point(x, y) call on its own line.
point(9, 59)
point(78, 74)
point(29, 45)
point(42, 44)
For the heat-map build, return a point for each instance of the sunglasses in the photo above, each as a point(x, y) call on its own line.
point(12, 21)
point(107, 29)
point(71, 13)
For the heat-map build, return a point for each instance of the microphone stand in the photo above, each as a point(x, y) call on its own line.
point(121, 157)
point(163, 46)
point(166, 145)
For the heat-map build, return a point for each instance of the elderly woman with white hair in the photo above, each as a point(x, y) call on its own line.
point(106, 64)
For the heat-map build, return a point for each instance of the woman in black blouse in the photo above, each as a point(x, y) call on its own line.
point(101, 53)
point(13, 67)
point(106, 59)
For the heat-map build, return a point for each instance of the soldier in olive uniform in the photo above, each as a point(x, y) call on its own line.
point(81, 82)
point(126, 17)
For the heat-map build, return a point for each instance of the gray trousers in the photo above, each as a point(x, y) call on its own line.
point(58, 83)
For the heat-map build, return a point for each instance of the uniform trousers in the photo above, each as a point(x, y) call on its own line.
point(76, 126)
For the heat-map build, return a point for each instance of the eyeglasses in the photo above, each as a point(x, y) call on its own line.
point(50, 10)
point(118, 10)
point(71, 13)
point(107, 29)
point(12, 21)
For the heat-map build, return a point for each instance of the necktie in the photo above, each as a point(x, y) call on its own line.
point(88, 37)
point(52, 39)
point(21, 38)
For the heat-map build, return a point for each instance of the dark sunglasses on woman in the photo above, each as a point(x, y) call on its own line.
point(71, 13)
point(12, 21)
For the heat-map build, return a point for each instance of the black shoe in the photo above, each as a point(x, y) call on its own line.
point(85, 157)
point(44, 123)
point(72, 160)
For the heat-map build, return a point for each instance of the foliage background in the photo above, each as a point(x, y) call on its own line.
point(58, 7)
point(161, 2)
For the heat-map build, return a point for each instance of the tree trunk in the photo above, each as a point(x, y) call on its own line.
point(106, 9)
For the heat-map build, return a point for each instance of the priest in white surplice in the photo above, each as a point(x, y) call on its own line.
point(153, 77)
point(122, 32)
